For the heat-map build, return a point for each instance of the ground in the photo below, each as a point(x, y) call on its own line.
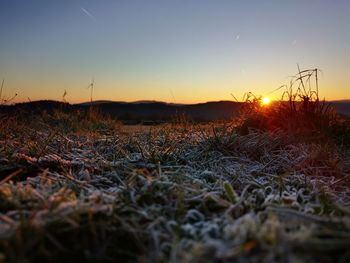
point(180, 192)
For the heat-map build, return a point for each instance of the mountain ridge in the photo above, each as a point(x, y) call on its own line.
point(149, 110)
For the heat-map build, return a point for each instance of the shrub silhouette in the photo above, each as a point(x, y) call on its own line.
point(299, 112)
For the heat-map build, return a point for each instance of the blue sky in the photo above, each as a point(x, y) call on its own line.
point(197, 50)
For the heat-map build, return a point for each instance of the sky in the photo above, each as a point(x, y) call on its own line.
point(181, 51)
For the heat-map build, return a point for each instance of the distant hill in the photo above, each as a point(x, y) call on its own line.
point(35, 107)
point(342, 106)
point(136, 111)
point(161, 111)
point(97, 102)
point(154, 111)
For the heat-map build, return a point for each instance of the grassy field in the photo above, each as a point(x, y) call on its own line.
point(96, 190)
point(270, 186)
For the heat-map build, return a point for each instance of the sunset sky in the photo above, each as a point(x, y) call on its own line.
point(181, 51)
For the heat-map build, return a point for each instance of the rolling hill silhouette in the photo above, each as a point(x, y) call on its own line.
point(149, 111)
point(135, 111)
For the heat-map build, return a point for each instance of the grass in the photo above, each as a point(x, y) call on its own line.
point(300, 112)
point(4, 100)
point(83, 187)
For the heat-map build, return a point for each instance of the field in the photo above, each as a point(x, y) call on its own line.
point(86, 187)
point(175, 131)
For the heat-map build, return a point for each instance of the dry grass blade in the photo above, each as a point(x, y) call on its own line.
point(10, 176)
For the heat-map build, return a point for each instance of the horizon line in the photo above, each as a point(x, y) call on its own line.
point(145, 101)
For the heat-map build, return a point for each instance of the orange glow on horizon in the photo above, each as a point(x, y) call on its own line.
point(265, 101)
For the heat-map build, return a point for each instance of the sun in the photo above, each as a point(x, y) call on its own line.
point(265, 101)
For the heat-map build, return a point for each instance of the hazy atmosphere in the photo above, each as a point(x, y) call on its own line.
point(173, 51)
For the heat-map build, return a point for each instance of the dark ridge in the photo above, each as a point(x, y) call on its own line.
point(161, 111)
point(342, 107)
point(146, 110)
point(36, 107)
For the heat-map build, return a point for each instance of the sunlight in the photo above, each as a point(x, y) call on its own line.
point(265, 101)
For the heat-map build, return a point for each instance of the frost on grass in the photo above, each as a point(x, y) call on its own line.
point(171, 193)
